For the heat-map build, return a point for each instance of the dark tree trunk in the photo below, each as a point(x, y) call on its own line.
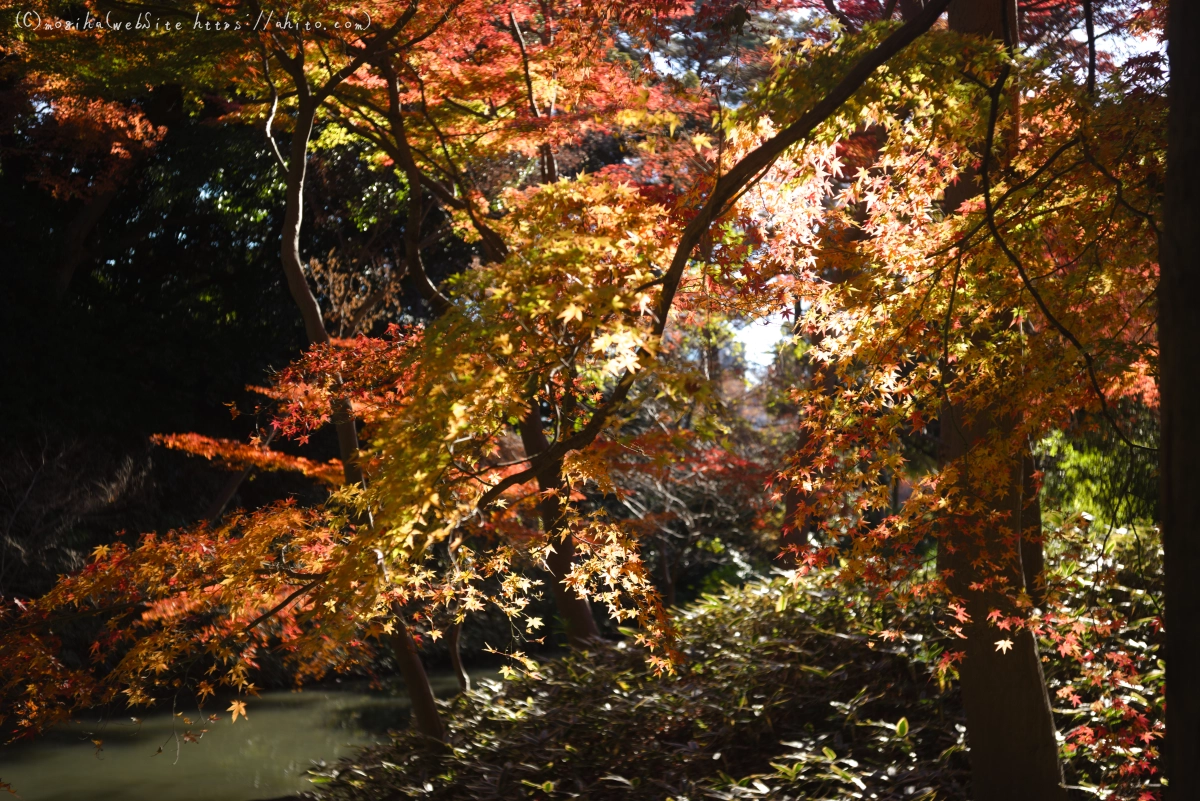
point(1179, 377)
point(452, 641)
point(668, 569)
point(420, 693)
point(574, 609)
point(75, 248)
point(424, 708)
point(1033, 556)
point(1010, 726)
point(293, 269)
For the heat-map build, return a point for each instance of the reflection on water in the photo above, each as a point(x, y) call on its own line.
point(261, 757)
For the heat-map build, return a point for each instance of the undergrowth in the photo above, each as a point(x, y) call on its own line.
point(788, 691)
point(781, 696)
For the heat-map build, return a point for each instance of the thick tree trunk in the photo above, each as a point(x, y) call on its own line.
point(1010, 726)
point(424, 708)
point(1033, 556)
point(1179, 377)
point(574, 609)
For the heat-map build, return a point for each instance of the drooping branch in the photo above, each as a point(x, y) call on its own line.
point(990, 217)
point(412, 231)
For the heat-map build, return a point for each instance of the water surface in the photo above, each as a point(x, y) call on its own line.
point(261, 757)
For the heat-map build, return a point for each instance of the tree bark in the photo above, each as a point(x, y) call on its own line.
point(1033, 556)
point(574, 609)
point(460, 672)
point(293, 269)
point(420, 692)
point(425, 714)
point(1010, 726)
point(1179, 387)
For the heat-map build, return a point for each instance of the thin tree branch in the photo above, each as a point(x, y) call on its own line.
point(990, 217)
point(524, 63)
point(271, 115)
point(832, 8)
point(279, 607)
point(412, 231)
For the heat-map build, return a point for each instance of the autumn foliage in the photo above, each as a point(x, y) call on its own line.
point(968, 241)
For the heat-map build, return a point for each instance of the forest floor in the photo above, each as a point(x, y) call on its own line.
point(793, 689)
point(782, 694)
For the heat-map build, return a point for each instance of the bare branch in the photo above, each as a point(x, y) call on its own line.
point(271, 116)
point(524, 63)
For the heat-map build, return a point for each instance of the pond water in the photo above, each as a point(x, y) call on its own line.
point(261, 757)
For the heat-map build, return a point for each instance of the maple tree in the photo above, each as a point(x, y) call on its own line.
point(954, 255)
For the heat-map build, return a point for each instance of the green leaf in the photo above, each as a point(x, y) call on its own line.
point(902, 727)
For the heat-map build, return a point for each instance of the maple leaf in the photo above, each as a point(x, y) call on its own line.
point(1004, 646)
point(237, 708)
point(571, 312)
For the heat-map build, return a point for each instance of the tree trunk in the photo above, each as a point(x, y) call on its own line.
point(1179, 378)
point(75, 248)
point(1010, 726)
point(452, 641)
point(293, 269)
point(420, 693)
point(425, 714)
point(1033, 556)
point(574, 609)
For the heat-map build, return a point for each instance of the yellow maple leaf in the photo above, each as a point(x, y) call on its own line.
point(1004, 646)
point(237, 708)
point(572, 312)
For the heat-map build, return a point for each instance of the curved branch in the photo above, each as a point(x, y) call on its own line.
point(729, 185)
point(271, 115)
point(412, 231)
